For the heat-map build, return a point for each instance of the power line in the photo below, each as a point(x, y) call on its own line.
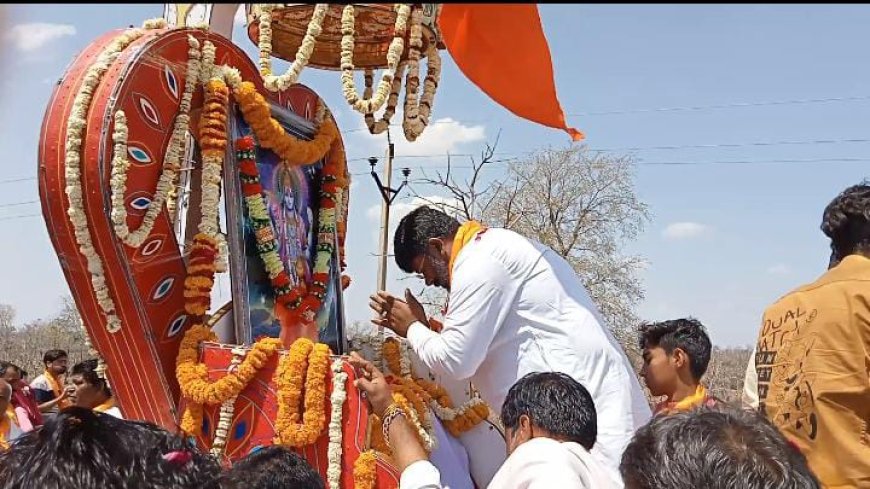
point(667, 163)
point(25, 179)
point(728, 106)
point(15, 204)
point(656, 148)
point(24, 216)
point(690, 108)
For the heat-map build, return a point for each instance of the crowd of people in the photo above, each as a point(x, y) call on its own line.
point(522, 327)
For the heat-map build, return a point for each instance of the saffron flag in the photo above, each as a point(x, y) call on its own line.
point(503, 50)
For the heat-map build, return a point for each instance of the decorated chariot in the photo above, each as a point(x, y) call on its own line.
point(169, 159)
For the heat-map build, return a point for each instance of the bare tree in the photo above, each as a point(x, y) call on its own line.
point(25, 345)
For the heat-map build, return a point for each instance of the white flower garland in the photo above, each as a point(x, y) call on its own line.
point(339, 395)
point(74, 129)
point(303, 54)
point(171, 161)
point(394, 55)
point(225, 418)
point(417, 113)
point(212, 169)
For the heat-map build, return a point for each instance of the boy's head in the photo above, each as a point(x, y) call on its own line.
point(673, 351)
point(847, 222)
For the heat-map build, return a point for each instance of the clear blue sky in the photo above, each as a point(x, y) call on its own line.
point(749, 231)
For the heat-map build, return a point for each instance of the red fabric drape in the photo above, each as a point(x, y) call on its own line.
point(503, 50)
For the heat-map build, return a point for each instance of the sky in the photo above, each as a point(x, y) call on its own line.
point(746, 120)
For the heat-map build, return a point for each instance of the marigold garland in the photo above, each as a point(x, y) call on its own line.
point(313, 360)
point(365, 470)
point(294, 151)
point(457, 421)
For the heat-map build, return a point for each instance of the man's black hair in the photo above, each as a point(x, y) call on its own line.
point(555, 402)
point(715, 449)
point(687, 334)
point(4, 366)
point(846, 222)
point(88, 370)
point(52, 355)
point(82, 449)
point(272, 467)
point(414, 232)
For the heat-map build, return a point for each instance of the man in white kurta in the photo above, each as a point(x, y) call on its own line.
point(516, 307)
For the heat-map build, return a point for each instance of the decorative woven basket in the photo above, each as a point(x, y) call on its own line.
point(374, 31)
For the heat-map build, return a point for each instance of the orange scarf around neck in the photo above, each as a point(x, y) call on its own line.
point(109, 404)
point(464, 235)
point(54, 383)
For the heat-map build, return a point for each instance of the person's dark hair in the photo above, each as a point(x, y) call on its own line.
point(846, 221)
point(87, 450)
point(4, 366)
point(52, 355)
point(687, 334)
point(713, 448)
point(272, 467)
point(414, 232)
point(555, 402)
point(88, 370)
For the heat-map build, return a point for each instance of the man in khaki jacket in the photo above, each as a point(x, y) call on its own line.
point(813, 353)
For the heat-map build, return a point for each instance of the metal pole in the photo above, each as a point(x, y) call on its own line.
point(385, 223)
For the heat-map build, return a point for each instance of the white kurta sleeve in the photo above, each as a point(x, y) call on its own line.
point(480, 299)
point(420, 475)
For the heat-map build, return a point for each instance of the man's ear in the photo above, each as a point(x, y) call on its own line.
point(680, 358)
point(437, 244)
point(525, 424)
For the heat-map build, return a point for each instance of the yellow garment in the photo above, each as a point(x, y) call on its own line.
point(6, 422)
point(697, 399)
point(812, 361)
point(109, 404)
point(464, 234)
point(56, 388)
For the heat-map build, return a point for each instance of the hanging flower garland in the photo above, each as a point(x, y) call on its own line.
point(456, 420)
point(228, 407)
point(337, 398)
point(416, 115)
point(271, 135)
point(75, 127)
point(312, 360)
point(367, 105)
point(303, 54)
point(365, 470)
point(171, 161)
point(377, 127)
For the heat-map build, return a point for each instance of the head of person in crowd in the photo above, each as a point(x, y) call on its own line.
point(12, 374)
point(423, 243)
point(83, 449)
point(22, 396)
point(675, 357)
point(713, 448)
point(55, 362)
point(551, 405)
point(272, 467)
point(90, 390)
point(846, 222)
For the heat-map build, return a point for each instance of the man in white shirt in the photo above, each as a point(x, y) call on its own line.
point(550, 421)
point(514, 307)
